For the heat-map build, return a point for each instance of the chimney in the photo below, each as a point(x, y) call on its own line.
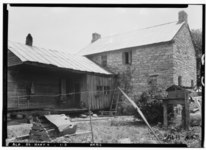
point(182, 17)
point(95, 37)
point(29, 40)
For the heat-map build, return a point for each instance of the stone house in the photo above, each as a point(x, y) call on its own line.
point(163, 54)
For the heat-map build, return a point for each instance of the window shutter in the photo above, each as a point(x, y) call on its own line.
point(192, 83)
point(123, 58)
point(130, 57)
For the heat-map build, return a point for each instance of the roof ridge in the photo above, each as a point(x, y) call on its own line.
point(143, 36)
point(116, 34)
point(161, 24)
point(123, 34)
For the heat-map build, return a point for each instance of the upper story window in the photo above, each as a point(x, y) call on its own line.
point(127, 58)
point(180, 80)
point(192, 83)
point(104, 60)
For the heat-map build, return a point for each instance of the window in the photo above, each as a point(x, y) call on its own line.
point(99, 90)
point(104, 60)
point(106, 90)
point(192, 83)
point(127, 58)
point(103, 90)
point(180, 80)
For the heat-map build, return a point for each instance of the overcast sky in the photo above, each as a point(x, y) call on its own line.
point(70, 29)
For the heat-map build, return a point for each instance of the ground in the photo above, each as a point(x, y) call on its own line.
point(116, 129)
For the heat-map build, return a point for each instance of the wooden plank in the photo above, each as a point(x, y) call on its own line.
point(187, 112)
point(86, 119)
point(140, 112)
point(77, 133)
point(13, 59)
point(183, 117)
point(175, 101)
point(18, 137)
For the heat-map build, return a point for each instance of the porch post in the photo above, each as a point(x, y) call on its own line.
point(187, 112)
point(183, 117)
point(63, 89)
point(165, 122)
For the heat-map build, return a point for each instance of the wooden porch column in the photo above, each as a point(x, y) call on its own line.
point(165, 122)
point(63, 89)
point(183, 117)
point(187, 112)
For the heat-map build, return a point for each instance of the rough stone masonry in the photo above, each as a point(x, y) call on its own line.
point(165, 61)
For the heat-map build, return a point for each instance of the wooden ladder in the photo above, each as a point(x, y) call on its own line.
point(115, 100)
point(114, 104)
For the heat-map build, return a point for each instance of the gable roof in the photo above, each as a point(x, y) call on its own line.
point(53, 57)
point(180, 88)
point(141, 37)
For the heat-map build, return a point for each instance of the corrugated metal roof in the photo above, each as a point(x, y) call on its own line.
point(145, 36)
point(53, 57)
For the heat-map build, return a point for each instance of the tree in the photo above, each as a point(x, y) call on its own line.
point(197, 41)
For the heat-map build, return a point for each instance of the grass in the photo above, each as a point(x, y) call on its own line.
point(124, 127)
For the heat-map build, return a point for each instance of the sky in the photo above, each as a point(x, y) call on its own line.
point(70, 29)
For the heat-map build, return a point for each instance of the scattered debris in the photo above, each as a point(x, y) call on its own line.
point(18, 130)
point(19, 116)
point(94, 115)
point(127, 130)
point(51, 126)
point(195, 119)
point(87, 119)
point(191, 135)
point(126, 140)
point(83, 116)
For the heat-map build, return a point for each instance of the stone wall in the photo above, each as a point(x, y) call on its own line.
point(147, 61)
point(184, 57)
point(164, 61)
point(153, 61)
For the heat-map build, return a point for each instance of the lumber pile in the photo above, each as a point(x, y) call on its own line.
point(48, 127)
point(43, 131)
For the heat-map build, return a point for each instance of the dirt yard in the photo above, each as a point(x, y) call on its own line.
point(124, 128)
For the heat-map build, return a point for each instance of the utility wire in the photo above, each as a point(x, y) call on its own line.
point(56, 95)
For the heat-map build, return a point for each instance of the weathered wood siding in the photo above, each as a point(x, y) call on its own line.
point(98, 99)
point(12, 59)
point(78, 90)
point(43, 86)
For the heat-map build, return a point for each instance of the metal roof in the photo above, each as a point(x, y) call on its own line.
point(140, 37)
point(53, 57)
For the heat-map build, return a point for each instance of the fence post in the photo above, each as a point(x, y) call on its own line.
point(91, 124)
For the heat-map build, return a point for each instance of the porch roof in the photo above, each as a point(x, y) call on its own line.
point(56, 58)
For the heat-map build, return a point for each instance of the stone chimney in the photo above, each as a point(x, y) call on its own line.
point(29, 40)
point(95, 37)
point(182, 17)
